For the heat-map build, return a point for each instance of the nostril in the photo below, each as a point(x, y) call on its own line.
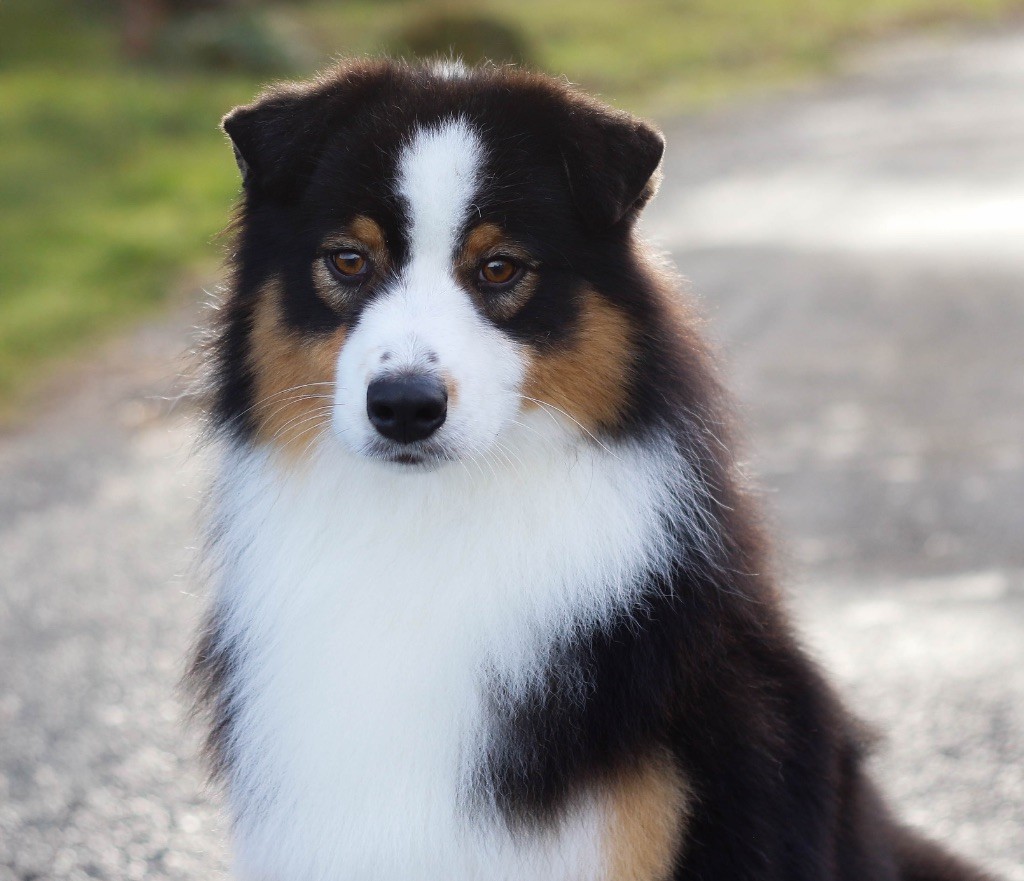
point(429, 412)
point(381, 412)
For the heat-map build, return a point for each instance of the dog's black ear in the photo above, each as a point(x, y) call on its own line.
point(612, 161)
point(278, 138)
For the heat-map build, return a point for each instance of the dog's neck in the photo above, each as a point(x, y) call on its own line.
point(374, 608)
point(565, 510)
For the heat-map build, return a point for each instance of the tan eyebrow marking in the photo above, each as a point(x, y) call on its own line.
point(482, 239)
point(369, 232)
point(362, 231)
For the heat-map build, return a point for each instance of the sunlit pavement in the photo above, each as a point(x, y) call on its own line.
point(859, 249)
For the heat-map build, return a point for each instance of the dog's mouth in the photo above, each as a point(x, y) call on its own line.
point(422, 456)
point(407, 459)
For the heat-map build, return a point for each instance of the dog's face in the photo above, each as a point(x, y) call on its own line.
point(428, 254)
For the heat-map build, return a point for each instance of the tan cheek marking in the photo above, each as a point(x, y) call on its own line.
point(647, 811)
point(452, 387)
point(589, 378)
point(288, 410)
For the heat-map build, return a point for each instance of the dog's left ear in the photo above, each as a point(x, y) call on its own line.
point(612, 161)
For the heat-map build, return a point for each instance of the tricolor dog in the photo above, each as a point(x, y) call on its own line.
point(491, 601)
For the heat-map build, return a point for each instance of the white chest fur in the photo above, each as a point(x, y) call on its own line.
point(368, 604)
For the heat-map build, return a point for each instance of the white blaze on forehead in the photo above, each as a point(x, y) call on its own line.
point(438, 173)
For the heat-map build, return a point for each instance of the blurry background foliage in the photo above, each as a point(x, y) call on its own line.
point(114, 179)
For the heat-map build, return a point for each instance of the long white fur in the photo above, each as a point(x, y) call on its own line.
point(370, 606)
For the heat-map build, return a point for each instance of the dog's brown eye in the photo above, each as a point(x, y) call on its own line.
point(499, 271)
point(348, 264)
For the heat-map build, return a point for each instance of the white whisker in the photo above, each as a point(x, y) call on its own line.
point(581, 426)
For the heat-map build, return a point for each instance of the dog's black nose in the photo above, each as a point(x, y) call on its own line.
point(407, 408)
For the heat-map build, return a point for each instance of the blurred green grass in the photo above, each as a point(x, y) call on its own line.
point(114, 178)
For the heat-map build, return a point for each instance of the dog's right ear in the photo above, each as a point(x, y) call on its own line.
point(278, 138)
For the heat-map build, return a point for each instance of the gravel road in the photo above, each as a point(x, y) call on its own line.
point(859, 249)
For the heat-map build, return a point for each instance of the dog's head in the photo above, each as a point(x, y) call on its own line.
point(426, 254)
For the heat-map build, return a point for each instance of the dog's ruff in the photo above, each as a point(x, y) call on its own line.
point(378, 608)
